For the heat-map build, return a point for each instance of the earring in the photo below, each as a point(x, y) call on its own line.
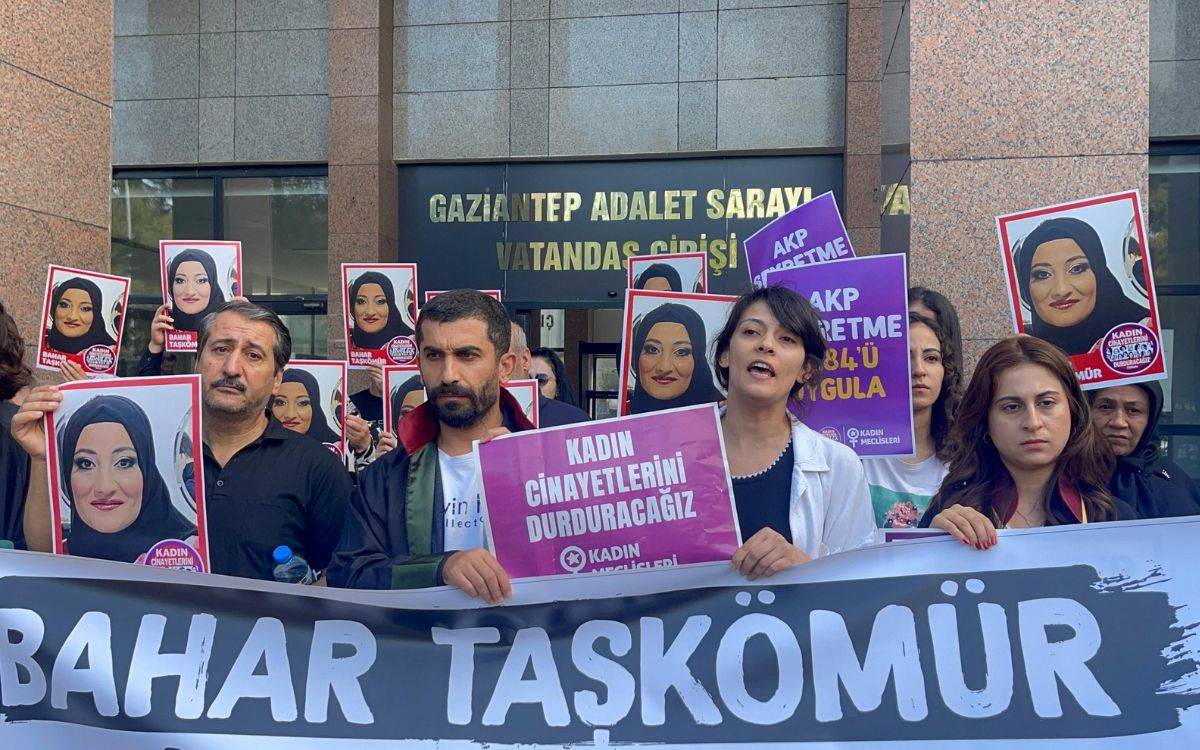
point(987, 438)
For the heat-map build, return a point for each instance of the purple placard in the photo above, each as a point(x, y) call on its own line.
point(865, 397)
point(809, 233)
point(644, 491)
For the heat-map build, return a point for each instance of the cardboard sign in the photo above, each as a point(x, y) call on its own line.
point(82, 314)
point(311, 400)
point(865, 396)
point(380, 305)
point(810, 233)
point(1079, 277)
point(125, 462)
point(635, 492)
point(198, 276)
point(675, 272)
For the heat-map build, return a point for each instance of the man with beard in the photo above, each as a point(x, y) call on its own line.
point(416, 519)
point(264, 485)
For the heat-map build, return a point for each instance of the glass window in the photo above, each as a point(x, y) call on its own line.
point(145, 211)
point(283, 223)
point(1174, 214)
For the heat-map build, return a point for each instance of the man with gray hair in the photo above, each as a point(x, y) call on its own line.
point(551, 411)
point(264, 485)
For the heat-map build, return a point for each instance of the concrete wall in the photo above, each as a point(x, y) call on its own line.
point(55, 173)
point(1174, 68)
point(214, 81)
point(479, 79)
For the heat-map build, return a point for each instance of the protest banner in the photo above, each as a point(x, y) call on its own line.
point(493, 293)
point(617, 494)
point(864, 398)
point(1079, 276)
point(526, 393)
point(380, 305)
point(125, 466)
point(405, 392)
point(1083, 633)
point(666, 350)
point(311, 400)
point(810, 233)
point(674, 272)
point(198, 276)
point(82, 314)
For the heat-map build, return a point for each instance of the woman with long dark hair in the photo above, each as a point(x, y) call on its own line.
point(799, 495)
point(375, 317)
point(194, 288)
point(1064, 280)
point(77, 317)
point(1026, 453)
point(901, 488)
point(120, 505)
point(551, 375)
point(668, 361)
point(933, 304)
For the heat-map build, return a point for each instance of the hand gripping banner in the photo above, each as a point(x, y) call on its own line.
point(1070, 632)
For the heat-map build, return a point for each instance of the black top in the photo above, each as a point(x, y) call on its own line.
point(14, 480)
point(763, 500)
point(283, 488)
point(1151, 482)
point(555, 413)
point(370, 406)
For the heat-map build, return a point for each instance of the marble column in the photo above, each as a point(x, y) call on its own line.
point(864, 68)
point(362, 173)
point(1015, 105)
point(55, 147)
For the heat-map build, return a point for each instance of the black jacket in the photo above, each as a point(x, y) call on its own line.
point(555, 413)
point(14, 480)
point(1149, 481)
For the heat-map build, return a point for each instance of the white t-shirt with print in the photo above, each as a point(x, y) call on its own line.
point(900, 491)
point(463, 509)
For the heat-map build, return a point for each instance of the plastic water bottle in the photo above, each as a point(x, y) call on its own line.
point(6, 544)
point(291, 568)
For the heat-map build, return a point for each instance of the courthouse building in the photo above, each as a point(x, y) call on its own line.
point(531, 146)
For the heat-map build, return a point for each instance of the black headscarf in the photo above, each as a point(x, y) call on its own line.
point(399, 393)
point(158, 518)
point(216, 298)
point(97, 334)
point(1149, 481)
point(1112, 306)
point(318, 427)
point(395, 325)
point(659, 271)
point(701, 389)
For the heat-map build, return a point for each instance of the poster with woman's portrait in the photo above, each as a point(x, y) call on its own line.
point(1079, 276)
point(198, 276)
point(666, 349)
point(126, 472)
point(311, 400)
point(677, 272)
point(526, 394)
point(81, 320)
point(405, 392)
point(380, 305)
point(493, 293)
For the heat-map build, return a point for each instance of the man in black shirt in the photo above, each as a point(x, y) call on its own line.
point(264, 484)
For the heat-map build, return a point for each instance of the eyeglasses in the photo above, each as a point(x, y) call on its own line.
point(542, 378)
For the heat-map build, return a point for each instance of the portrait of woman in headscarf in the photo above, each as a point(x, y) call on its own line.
point(375, 318)
point(76, 317)
point(669, 362)
point(194, 289)
point(297, 406)
point(119, 504)
point(1073, 297)
point(659, 277)
point(405, 397)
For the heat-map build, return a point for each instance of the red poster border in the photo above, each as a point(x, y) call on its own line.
point(346, 268)
point(164, 245)
point(650, 259)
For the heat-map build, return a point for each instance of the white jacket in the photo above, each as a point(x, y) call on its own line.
point(830, 507)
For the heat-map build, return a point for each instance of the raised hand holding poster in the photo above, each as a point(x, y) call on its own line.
point(810, 233)
point(82, 315)
point(1079, 276)
point(125, 464)
point(864, 398)
point(380, 305)
point(198, 276)
point(618, 494)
